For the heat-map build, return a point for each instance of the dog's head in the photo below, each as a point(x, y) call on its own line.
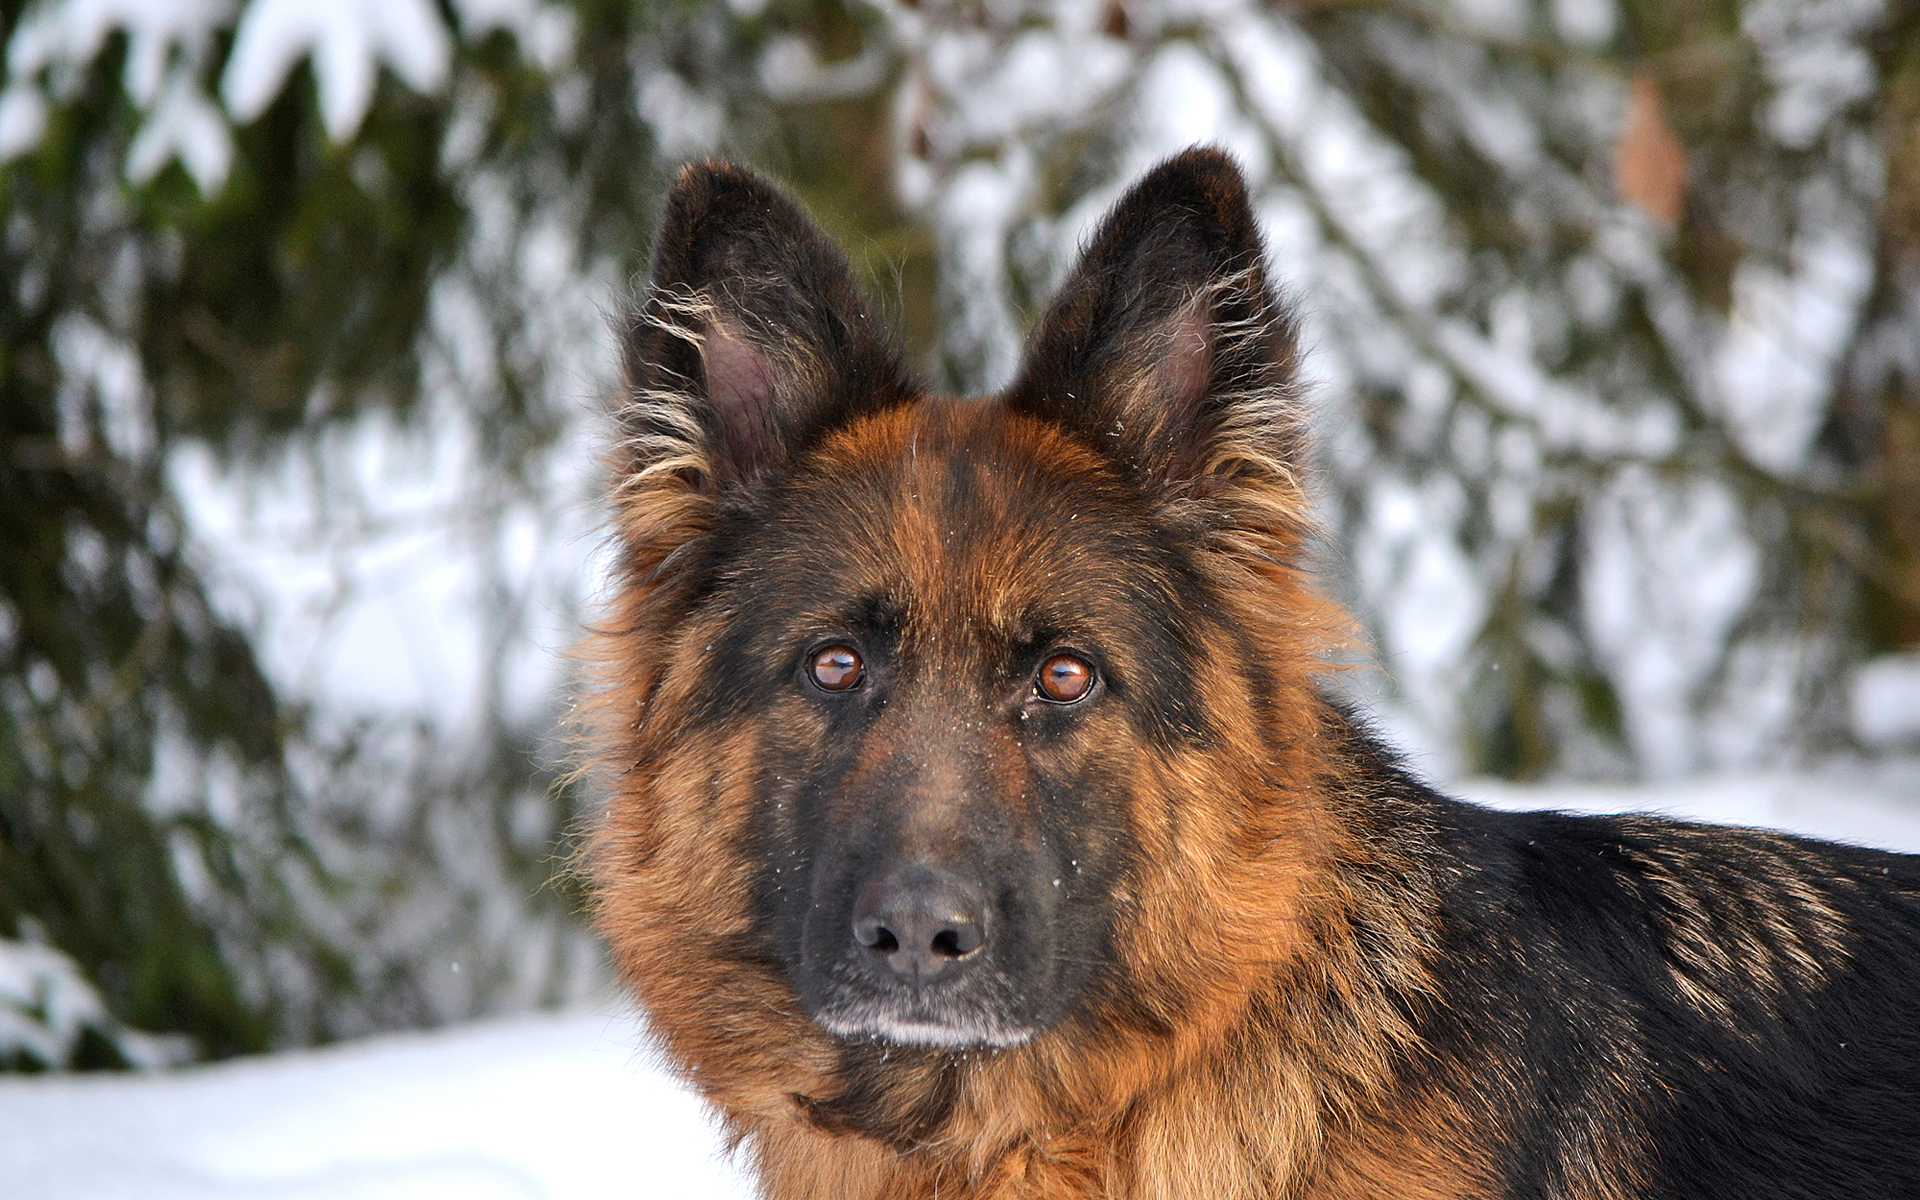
point(903, 693)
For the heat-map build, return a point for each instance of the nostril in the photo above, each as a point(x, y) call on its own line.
point(876, 937)
point(957, 942)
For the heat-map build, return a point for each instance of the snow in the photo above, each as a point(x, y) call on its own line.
point(23, 118)
point(348, 40)
point(58, 38)
point(551, 1105)
point(1587, 23)
point(1871, 803)
point(1886, 700)
point(384, 571)
point(1785, 338)
point(1661, 629)
point(185, 125)
point(62, 35)
point(1811, 50)
point(685, 122)
point(571, 1105)
point(170, 47)
point(47, 1005)
point(1432, 605)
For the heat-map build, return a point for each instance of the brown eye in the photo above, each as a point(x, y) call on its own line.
point(835, 668)
point(1065, 678)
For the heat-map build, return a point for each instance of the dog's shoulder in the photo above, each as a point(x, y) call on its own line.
point(1743, 1004)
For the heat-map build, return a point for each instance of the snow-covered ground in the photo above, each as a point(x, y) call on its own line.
point(1867, 803)
point(570, 1106)
point(564, 1106)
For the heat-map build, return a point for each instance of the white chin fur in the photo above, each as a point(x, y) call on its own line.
point(957, 1035)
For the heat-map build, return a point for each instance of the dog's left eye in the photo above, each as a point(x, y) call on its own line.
point(1064, 678)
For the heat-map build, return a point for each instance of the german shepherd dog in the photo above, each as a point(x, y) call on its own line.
point(977, 823)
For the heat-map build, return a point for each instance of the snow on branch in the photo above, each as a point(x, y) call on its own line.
point(47, 1007)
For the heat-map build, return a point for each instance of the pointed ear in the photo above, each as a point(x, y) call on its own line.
point(1166, 349)
point(752, 338)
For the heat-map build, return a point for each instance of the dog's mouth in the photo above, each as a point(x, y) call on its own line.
point(974, 1002)
point(977, 1005)
point(947, 1024)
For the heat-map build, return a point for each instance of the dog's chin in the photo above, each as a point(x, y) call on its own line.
point(959, 1031)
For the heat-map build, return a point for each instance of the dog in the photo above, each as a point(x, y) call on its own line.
point(977, 821)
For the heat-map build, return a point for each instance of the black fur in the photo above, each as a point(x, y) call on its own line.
point(1561, 941)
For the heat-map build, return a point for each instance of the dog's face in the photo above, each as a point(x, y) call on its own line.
point(951, 623)
point(924, 675)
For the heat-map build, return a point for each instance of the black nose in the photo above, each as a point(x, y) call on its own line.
point(922, 920)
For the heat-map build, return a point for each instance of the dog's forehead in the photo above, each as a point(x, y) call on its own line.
point(968, 512)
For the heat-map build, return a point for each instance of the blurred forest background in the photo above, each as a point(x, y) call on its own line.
point(1614, 316)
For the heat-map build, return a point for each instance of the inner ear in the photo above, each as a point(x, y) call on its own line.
point(1183, 377)
point(739, 385)
point(1188, 363)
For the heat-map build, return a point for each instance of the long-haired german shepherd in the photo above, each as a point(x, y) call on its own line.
point(975, 824)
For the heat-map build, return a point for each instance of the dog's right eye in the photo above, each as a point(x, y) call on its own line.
point(835, 668)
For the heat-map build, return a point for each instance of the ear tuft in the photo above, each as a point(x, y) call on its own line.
point(1166, 349)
